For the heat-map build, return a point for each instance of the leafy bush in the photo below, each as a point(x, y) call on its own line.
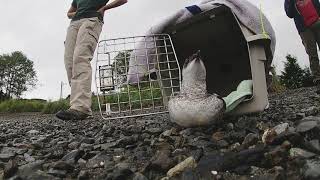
point(20, 105)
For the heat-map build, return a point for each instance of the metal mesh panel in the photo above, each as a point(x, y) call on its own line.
point(135, 76)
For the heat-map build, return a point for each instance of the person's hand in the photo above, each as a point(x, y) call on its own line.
point(101, 11)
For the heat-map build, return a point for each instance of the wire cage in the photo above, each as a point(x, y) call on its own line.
point(135, 76)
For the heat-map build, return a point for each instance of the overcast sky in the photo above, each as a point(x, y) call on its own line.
point(38, 29)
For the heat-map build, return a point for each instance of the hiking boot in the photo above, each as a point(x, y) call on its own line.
point(71, 114)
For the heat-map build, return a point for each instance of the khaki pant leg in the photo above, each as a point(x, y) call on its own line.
point(310, 44)
point(69, 45)
point(87, 40)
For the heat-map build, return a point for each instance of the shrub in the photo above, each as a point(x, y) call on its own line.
point(293, 75)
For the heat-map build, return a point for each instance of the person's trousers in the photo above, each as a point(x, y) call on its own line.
point(81, 41)
point(311, 41)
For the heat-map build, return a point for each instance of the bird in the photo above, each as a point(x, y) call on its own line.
point(193, 106)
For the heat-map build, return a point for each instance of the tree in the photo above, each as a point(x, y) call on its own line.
point(17, 74)
point(293, 75)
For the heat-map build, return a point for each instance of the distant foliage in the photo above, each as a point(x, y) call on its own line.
point(17, 75)
point(21, 105)
point(55, 106)
point(293, 76)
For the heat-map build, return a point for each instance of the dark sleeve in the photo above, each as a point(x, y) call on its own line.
point(289, 7)
point(74, 4)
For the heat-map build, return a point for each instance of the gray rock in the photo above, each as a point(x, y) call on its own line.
point(315, 144)
point(73, 145)
point(33, 132)
point(88, 140)
point(139, 176)
point(28, 158)
point(107, 146)
point(127, 140)
point(86, 147)
point(39, 175)
point(6, 157)
point(120, 173)
point(312, 169)
point(154, 130)
point(281, 128)
point(56, 152)
point(250, 140)
point(58, 173)
point(83, 175)
point(162, 160)
point(99, 160)
point(73, 156)
point(26, 170)
point(186, 132)
point(311, 111)
point(306, 126)
point(61, 165)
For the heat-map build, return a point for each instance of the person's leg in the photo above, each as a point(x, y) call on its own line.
point(310, 44)
point(316, 31)
point(81, 80)
point(69, 44)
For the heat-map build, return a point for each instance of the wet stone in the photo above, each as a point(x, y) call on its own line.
point(73, 145)
point(154, 130)
point(306, 126)
point(58, 173)
point(281, 128)
point(139, 176)
point(28, 158)
point(312, 169)
point(250, 140)
point(61, 165)
point(311, 111)
point(73, 156)
point(99, 160)
point(83, 175)
point(33, 132)
point(6, 157)
point(88, 140)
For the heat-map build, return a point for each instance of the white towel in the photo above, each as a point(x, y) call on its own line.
point(248, 14)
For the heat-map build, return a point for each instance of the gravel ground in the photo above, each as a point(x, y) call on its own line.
point(280, 143)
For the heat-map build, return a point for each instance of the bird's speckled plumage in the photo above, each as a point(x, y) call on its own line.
point(193, 106)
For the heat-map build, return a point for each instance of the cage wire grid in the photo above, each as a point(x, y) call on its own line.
point(151, 61)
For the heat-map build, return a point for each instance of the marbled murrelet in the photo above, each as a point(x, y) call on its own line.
point(193, 106)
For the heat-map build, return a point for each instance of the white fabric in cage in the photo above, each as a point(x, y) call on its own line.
point(248, 14)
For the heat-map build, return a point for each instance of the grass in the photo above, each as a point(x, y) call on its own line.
point(18, 106)
point(145, 98)
point(55, 106)
point(51, 107)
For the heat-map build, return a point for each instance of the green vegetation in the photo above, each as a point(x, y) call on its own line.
point(293, 76)
point(55, 106)
point(17, 106)
point(145, 97)
point(276, 86)
point(17, 75)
